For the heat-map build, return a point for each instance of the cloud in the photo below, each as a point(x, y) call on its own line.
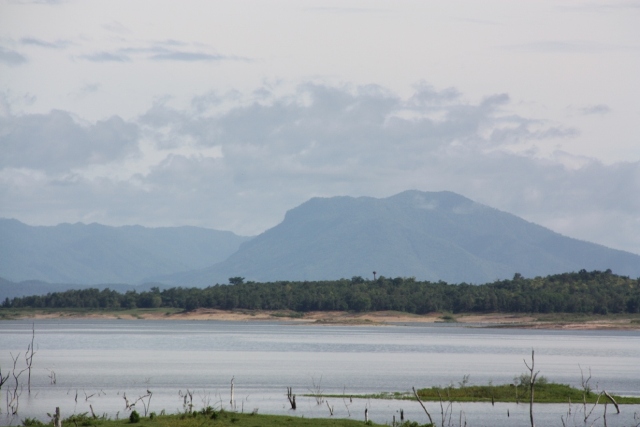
point(11, 57)
point(562, 46)
point(116, 27)
point(105, 57)
point(49, 2)
point(164, 50)
point(345, 10)
point(239, 160)
point(599, 109)
point(58, 44)
point(90, 88)
point(187, 56)
point(56, 142)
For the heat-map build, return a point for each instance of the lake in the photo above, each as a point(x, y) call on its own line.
point(97, 362)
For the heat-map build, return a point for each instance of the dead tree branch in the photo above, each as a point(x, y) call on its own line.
point(231, 402)
point(13, 397)
point(291, 397)
point(344, 400)
point(3, 380)
point(612, 400)
point(316, 390)
point(187, 400)
point(415, 393)
point(29, 356)
point(330, 408)
point(57, 419)
point(532, 384)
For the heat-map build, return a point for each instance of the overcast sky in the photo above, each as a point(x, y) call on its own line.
point(227, 114)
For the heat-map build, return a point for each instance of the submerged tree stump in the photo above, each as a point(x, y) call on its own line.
point(57, 419)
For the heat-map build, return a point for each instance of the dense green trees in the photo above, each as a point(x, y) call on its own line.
point(593, 292)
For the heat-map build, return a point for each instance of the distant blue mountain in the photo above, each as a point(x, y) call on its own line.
point(431, 236)
point(97, 254)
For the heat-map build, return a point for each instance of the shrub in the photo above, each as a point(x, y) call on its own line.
point(32, 422)
point(134, 417)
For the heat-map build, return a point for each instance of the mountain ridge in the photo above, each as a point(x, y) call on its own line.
point(95, 253)
point(428, 235)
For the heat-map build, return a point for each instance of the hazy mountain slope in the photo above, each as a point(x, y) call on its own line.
point(432, 236)
point(92, 254)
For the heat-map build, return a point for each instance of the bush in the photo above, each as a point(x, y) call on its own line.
point(32, 422)
point(524, 380)
point(134, 417)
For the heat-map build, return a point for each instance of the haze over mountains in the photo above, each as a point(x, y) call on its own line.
point(431, 236)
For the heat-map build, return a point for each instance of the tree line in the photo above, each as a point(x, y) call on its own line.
point(594, 292)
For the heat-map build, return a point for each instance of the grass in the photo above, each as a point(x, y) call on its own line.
point(209, 417)
point(544, 393)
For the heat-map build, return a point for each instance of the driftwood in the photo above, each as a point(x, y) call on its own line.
point(415, 393)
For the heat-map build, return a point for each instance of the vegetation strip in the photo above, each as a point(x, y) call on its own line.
point(583, 293)
point(544, 393)
point(208, 417)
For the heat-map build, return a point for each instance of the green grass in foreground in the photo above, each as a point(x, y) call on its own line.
point(544, 393)
point(212, 418)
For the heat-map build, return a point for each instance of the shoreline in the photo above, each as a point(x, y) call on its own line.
point(380, 318)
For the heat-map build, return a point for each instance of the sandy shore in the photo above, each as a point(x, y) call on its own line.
point(372, 318)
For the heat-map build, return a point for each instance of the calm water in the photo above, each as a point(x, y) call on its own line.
point(97, 362)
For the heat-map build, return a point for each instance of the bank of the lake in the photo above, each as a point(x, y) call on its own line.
point(566, 321)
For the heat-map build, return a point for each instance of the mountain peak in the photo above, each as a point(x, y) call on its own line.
point(428, 235)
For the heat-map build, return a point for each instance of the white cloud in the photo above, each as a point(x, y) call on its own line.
point(241, 167)
point(56, 142)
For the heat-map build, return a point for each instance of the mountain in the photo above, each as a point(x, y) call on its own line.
point(97, 254)
point(431, 236)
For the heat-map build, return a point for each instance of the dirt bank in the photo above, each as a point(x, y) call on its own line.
point(372, 318)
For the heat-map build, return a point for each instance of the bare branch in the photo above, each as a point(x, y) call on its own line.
point(291, 397)
point(612, 400)
point(415, 393)
point(532, 384)
point(29, 356)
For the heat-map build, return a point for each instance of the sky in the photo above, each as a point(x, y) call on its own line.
point(227, 114)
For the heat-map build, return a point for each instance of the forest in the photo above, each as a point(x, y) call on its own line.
point(594, 292)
